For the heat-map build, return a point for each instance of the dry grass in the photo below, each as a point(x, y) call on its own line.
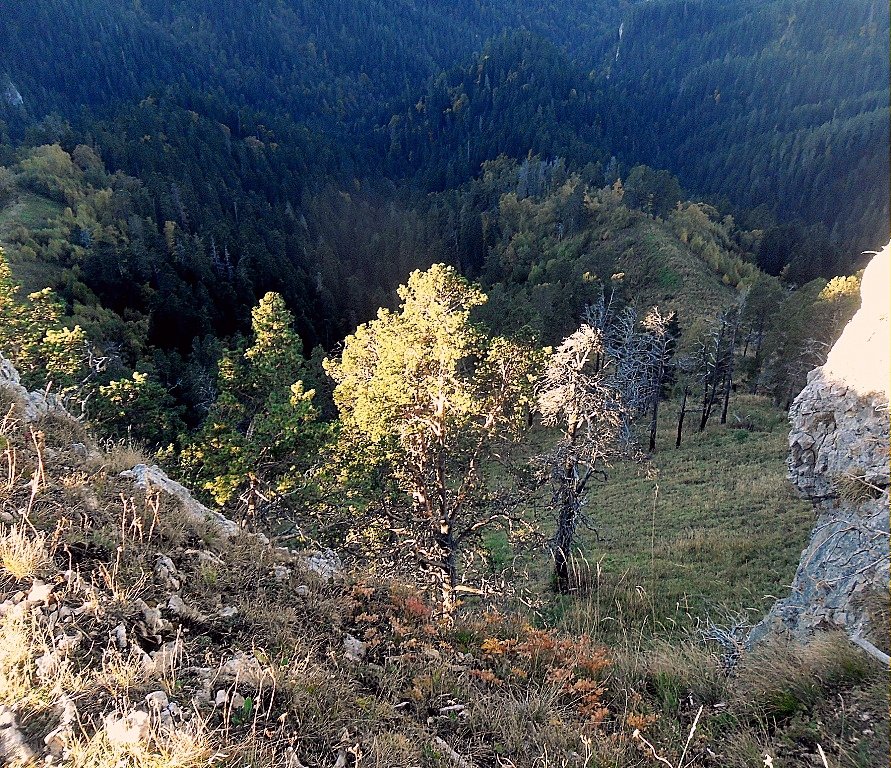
point(182, 747)
point(23, 554)
point(425, 693)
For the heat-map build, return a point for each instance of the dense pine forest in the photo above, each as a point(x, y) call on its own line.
point(231, 149)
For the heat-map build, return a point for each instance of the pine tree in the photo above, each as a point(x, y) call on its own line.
point(263, 425)
point(429, 394)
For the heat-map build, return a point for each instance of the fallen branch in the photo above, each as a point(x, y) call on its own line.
point(871, 649)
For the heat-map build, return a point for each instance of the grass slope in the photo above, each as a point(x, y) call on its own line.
point(28, 216)
point(134, 636)
point(710, 530)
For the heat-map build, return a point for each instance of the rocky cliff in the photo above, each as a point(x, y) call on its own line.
point(839, 459)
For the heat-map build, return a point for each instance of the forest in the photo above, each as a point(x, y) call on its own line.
point(436, 287)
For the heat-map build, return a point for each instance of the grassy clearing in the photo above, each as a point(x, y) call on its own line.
point(26, 219)
point(710, 530)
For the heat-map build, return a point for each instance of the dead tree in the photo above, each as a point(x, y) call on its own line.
point(730, 355)
point(595, 383)
point(662, 340)
point(686, 368)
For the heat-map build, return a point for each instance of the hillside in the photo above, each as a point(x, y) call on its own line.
point(136, 629)
point(398, 383)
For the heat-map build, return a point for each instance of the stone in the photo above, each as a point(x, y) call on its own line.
point(58, 740)
point(119, 635)
point(353, 648)
point(132, 728)
point(282, 573)
point(33, 406)
point(152, 617)
point(325, 564)
point(221, 698)
point(838, 459)
point(39, 593)
point(236, 700)
point(246, 669)
point(145, 476)
point(13, 747)
point(227, 612)
point(156, 701)
point(166, 573)
point(177, 605)
point(301, 591)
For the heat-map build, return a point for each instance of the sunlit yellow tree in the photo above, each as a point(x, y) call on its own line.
point(426, 391)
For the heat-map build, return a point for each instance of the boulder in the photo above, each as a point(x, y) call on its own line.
point(145, 476)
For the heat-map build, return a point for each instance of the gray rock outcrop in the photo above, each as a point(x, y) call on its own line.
point(839, 460)
point(145, 476)
point(33, 405)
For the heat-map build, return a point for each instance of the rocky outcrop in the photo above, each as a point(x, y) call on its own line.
point(33, 405)
point(145, 477)
point(839, 459)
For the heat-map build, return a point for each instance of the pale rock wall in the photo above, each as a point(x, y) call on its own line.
point(839, 459)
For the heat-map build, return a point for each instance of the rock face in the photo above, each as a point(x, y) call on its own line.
point(839, 459)
point(144, 476)
point(34, 405)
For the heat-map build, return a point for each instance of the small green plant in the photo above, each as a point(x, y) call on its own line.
point(244, 713)
point(210, 575)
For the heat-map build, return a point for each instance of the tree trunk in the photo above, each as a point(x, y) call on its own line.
point(728, 374)
point(448, 568)
point(708, 395)
point(654, 423)
point(728, 384)
point(683, 412)
point(756, 368)
point(565, 533)
point(704, 416)
point(657, 392)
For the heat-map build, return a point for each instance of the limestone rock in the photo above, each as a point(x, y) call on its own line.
point(839, 459)
point(246, 669)
point(13, 747)
point(156, 701)
point(165, 571)
point(353, 648)
point(34, 405)
point(324, 563)
point(145, 476)
point(132, 728)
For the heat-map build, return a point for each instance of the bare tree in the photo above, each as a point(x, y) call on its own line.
point(659, 328)
point(596, 382)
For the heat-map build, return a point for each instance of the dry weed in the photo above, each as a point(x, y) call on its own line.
point(23, 555)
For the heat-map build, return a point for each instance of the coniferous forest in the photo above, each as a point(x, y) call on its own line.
point(254, 241)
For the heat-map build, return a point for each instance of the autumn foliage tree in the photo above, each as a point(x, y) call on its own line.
point(426, 391)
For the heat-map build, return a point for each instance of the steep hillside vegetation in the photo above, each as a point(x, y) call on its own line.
point(139, 629)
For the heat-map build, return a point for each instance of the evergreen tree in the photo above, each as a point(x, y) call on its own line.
point(262, 426)
point(427, 392)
